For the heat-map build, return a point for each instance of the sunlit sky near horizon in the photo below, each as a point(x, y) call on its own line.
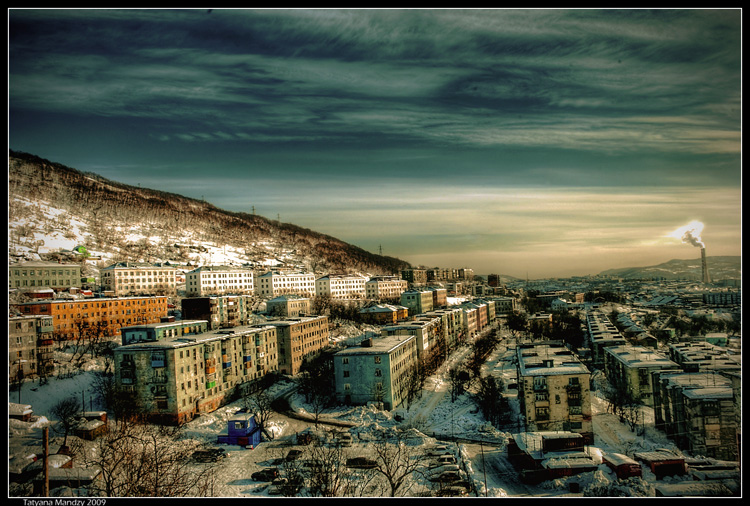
point(522, 142)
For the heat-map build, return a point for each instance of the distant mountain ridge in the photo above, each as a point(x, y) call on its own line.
point(52, 204)
point(719, 267)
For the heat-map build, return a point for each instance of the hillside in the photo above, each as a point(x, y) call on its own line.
point(719, 267)
point(53, 207)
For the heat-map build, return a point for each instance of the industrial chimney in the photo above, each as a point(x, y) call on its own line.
point(704, 266)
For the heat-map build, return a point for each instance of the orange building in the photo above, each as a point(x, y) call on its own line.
point(69, 317)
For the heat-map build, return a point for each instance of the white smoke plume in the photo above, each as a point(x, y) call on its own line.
point(690, 233)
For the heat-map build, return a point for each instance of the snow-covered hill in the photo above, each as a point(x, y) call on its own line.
point(53, 207)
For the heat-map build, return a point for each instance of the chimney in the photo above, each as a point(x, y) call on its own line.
point(704, 266)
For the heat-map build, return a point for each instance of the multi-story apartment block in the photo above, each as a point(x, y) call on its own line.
point(415, 276)
point(453, 324)
point(554, 390)
point(221, 311)
point(418, 301)
point(439, 297)
point(383, 314)
point(300, 339)
point(602, 333)
point(289, 305)
point(173, 380)
point(130, 278)
point(426, 329)
point(482, 313)
point(505, 305)
point(385, 288)
point(471, 320)
point(466, 274)
point(341, 286)
point(376, 371)
point(30, 347)
point(702, 356)
point(440, 274)
point(44, 274)
point(106, 316)
point(274, 283)
point(166, 329)
point(219, 280)
point(697, 410)
point(723, 298)
point(631, 368)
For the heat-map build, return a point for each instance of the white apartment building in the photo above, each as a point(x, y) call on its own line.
point(128, 278)
point(343, 286)
point(274, 283)
point(218, 280)
point(385, 288)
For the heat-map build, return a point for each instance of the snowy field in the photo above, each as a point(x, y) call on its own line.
point(479, 447)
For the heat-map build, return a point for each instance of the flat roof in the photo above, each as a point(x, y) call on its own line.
point(379, 345)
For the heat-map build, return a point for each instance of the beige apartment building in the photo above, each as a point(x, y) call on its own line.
point(30, 347)
point(129, 278)
point(631, 366)
point(275, 283)
point(44, 274)
point(341, 286)
point(385, 288)
point(300, 339)
point(173, 380)
point(554, 390)
point(219, 280)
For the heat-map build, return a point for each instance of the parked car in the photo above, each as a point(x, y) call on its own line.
point(293, 455)
point(446, 477)
point(437, 451)
point(446, 459)
point(361, 463)
point(267, 474)
point(209, 455)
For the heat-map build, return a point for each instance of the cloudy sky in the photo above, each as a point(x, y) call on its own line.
point(520, 142)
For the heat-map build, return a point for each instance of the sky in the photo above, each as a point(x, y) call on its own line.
point(531, 143)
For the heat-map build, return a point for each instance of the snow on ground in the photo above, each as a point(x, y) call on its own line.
point(482, 454)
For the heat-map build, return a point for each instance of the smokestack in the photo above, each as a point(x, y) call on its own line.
point(704, 266)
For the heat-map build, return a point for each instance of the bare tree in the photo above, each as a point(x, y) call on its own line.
point(142, 460)
point(67, 412)
point(259, 403)
point(397, 461)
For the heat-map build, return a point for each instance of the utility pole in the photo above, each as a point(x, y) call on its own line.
point(45, 461)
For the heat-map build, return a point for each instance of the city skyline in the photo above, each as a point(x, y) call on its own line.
point(522, 142)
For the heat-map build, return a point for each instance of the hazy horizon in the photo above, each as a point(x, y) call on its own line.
point(547, 143)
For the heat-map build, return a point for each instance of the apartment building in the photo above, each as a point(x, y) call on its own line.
point(30, 347)
point(505, 305)
point(383, 314)
point(341, 286)
point(385, 288)
point(698, 412)
point(166, 329)
point(471, 320)
point(441, 274)
point(554, 390)
point(172, 380)
point(300, 339)
point(53, 275)
point(219, 280)
point(106, 316)
point(415, 276)
point(703, 356)
point(453, 324)
point(602, 333)
point(631, 367)
point(289, 305)
point(439, 297)
point(481, 311)
point(134, 278)
point(426, 329)
point(275, 283)
point(377, 371)
point(221, 311)
point(418, 301)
